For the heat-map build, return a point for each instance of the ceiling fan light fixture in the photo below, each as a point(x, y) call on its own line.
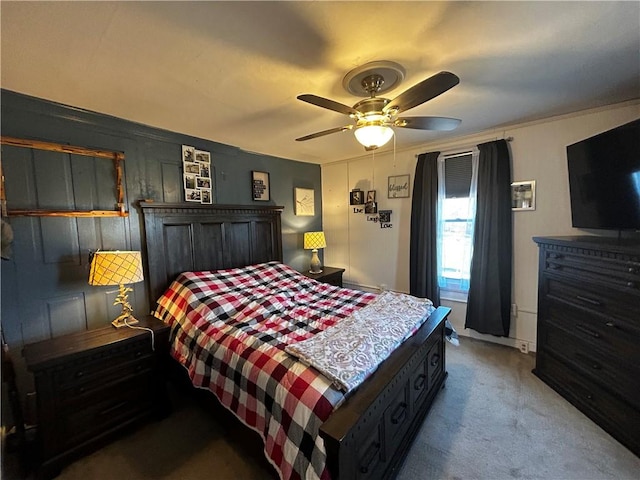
point(373, 136)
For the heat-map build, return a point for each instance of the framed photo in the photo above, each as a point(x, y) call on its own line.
point(203, 182)
point(385, 216)
point(191, 167)
point(188, 153)
point(356, 197)
point(202, 156)
point(190, 181)
point(371, 196)
point(305, 203)
point(398, 186)
point(370, 208)
point(205, 195)
point(260, 186)
point(192, 195)
point(523, 195)
point(205, 169)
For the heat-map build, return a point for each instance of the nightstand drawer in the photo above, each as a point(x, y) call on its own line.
point(98, 380)
point(110, 407)
point(104, 364)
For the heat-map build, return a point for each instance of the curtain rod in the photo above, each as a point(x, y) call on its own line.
point(464, 150)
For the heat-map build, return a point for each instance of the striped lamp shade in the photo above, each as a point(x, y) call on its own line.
point(314, 240)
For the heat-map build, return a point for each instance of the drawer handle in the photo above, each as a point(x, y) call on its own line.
point(369, 457)
point(79, 374)
point(435, 360)
point(631, 284)
point(419, 382)
point(632, 270)
point(591, 301)
point(610, 324)
point(398, 413)
point(588, 331)
point(589, 396)
point(107, 411)
point(594, 365)
point(138, 354)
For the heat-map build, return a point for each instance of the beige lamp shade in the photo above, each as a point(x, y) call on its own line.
point(115, 268)
point(314, 240)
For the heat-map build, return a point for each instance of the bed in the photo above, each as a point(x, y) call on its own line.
point(366, 432)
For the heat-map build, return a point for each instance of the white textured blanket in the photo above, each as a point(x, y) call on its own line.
point(351, 350)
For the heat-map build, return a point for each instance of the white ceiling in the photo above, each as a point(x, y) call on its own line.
point(230, 71)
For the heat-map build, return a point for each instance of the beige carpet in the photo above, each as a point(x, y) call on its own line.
point(494, 420)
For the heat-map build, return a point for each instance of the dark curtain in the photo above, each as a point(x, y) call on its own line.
point(489, 300)
point(423, 259)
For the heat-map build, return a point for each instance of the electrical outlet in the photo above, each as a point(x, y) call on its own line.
point(514, 310)
point(524, 347)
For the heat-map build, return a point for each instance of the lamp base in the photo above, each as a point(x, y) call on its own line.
point(124, 320)
point(316, 266)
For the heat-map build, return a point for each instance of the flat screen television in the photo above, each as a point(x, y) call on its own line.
point(604, 179)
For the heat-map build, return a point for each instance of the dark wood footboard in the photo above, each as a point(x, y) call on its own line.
point(369, 435)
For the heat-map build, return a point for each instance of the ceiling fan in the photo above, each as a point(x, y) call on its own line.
point(374, 116)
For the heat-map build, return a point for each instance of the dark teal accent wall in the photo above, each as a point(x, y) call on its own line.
point(44, 284)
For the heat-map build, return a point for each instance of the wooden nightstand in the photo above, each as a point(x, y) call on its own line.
point(330, 275)
point(90, 385)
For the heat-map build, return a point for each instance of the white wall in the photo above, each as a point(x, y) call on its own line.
point(373, 256)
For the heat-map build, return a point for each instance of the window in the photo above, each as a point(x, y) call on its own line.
point(457, 179)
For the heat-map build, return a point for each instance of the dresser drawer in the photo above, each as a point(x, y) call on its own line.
point(620, 377)
point(614, 337)
point(615, 416)
point(598, 269)
point(600, 300)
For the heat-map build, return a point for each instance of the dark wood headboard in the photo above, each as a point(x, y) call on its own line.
point(184, 238)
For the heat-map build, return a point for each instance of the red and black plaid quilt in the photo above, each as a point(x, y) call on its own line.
point(229, 330)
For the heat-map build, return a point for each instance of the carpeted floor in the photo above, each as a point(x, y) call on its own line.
point(494, 420)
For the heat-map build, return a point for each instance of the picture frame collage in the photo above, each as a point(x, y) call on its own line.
point(196, 167)
point(369, 206)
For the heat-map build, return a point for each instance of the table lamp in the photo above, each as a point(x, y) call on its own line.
point(313, 241)
point(117, 268)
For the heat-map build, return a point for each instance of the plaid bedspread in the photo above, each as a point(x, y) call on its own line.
point(230, 329)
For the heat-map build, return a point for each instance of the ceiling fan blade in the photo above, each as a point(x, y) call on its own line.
point(423, 91)
point(329, 104)
point(442, 124)
point(324, 132)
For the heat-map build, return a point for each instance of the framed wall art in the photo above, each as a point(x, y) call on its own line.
point(260, 186)
point(305, 202)
point(398, 186)
point(356, 197)
point(198, 181)
point(523, 195)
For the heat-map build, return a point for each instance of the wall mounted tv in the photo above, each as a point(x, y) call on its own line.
point(604, 179)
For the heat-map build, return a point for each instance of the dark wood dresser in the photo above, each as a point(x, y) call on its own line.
point(91, 385)
point(588, 346)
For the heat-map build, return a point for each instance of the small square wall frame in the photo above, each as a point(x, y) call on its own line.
point(117, 157)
